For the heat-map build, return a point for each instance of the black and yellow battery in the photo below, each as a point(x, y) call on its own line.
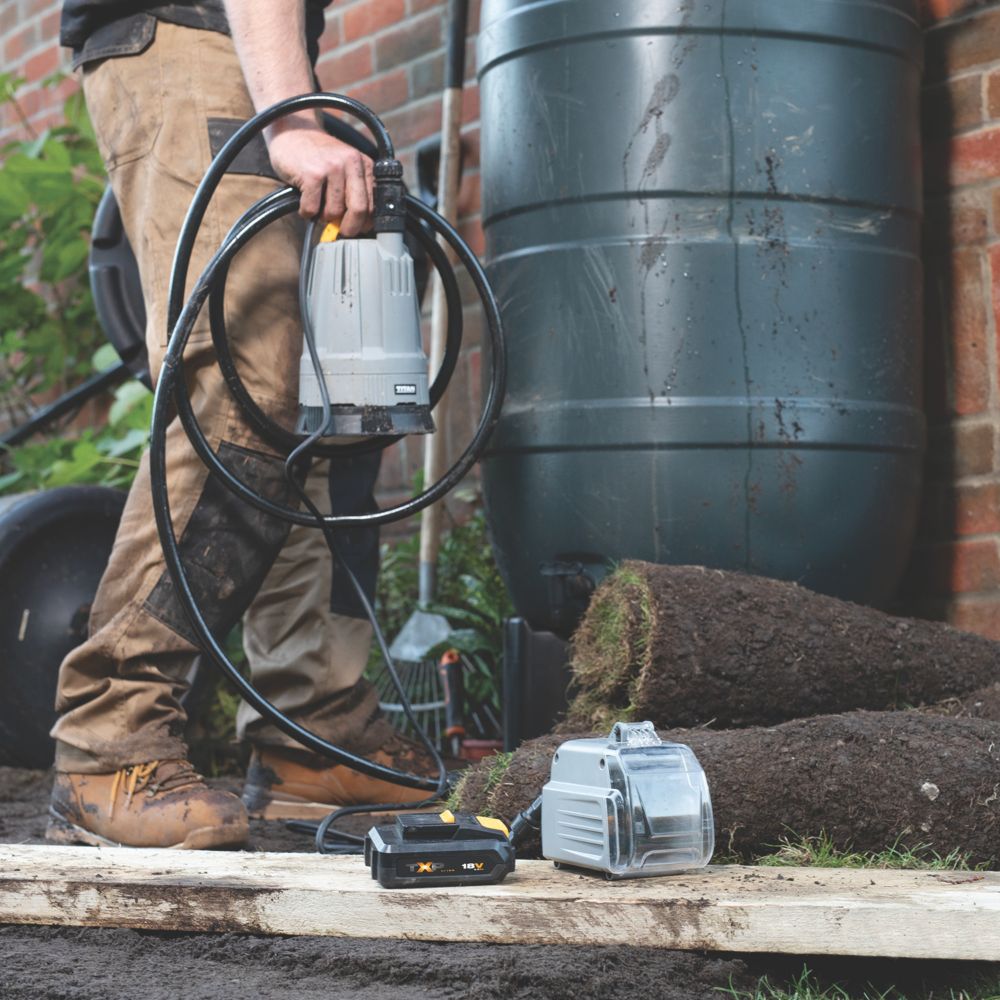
point(439, 849)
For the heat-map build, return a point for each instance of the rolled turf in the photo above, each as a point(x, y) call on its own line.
point(688, 646)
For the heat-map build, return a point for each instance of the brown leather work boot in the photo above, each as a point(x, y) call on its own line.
point(157, 804)
point(284, 783)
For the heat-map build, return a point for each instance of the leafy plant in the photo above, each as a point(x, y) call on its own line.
point(470, 594)
point(50, 337)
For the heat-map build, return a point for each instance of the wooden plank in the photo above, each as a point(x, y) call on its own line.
point(793, 910)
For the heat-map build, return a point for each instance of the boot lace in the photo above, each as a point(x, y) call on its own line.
point(173, 775)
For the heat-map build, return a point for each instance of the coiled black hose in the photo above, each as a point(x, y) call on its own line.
point(171, 391)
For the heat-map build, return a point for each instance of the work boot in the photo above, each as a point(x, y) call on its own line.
point(286, 783)
point(156, 804)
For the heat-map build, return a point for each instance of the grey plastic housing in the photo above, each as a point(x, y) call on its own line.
point(630, 805)
point(362, 299)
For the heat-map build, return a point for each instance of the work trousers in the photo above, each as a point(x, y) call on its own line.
point(118, 692)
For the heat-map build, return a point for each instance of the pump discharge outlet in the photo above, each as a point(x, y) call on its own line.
point(630, 805)
point(365, 318)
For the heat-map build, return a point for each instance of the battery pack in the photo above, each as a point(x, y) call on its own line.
point(439, 849)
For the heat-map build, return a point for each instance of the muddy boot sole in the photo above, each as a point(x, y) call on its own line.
point(61, 831)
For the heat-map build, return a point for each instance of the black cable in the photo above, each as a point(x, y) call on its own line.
point(171, 390)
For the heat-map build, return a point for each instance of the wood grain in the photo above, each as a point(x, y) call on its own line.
point(793, 910)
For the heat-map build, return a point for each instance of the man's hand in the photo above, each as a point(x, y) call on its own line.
point(334, 179)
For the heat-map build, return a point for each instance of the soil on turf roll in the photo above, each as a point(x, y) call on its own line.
point(867, 780)
point(688, 646)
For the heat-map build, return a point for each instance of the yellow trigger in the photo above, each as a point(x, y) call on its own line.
point(330, 233)
point(447, 816)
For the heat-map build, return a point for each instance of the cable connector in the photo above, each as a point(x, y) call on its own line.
point(526, 823)
point(390, 197)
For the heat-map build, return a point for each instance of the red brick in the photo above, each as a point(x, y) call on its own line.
point(345, 67)
point(330, 39)
point(950, 511)
point(975, 157)
point(993, 95)
point(965, 448)
point(34, 7)
point(972, 41)
point(470, 146)
point(8, 18)
point(977, 509)
point(50, 26)
point(978, 615)
point(427, 76)
point(937, 10)
point(384, 92)
point(960, 219)
point(471, 230)
point(470, 60)
point(957, 567)
point(42, 65)
point(365, 19)
point(470, 105)
point(469, 193)
point(408, 41)
point(409, 125)
point(953, 106)
point(970, 360)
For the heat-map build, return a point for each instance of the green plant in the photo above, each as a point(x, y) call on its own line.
point(807, 986)
point(821, 852)
point(470, 594)
point(804, 987)
point(50, 338)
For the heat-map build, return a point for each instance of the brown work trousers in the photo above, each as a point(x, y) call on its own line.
point(118, 692)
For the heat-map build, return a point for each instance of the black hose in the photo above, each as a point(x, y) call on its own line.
point(171, 390)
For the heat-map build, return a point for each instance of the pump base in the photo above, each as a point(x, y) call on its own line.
point(347, 420)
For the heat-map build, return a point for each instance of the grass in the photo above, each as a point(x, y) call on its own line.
point(498, 768)
point(611, 647)
point(821, 852)
point(806, 986)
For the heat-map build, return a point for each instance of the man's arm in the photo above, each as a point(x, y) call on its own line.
point(270, 41)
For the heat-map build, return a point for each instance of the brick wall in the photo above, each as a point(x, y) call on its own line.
point(955, 573)
point(390, 54)
point(29, 31)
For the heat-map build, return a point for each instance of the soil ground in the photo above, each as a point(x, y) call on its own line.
point(96, 964)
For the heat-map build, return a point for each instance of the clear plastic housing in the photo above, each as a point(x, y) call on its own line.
point(667, 821)
point(630, 805)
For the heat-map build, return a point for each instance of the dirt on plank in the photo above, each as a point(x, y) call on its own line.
point(688, 646)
